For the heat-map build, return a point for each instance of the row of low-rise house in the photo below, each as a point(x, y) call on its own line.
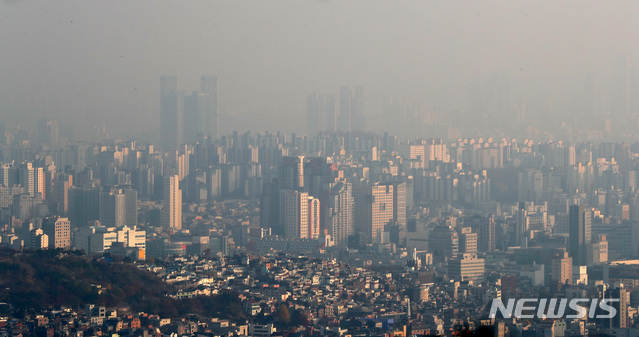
point(337, 297)
point(100, 321)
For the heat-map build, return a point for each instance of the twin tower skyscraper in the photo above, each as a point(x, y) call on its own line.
point(185, 117)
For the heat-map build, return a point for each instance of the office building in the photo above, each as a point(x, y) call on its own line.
point(443, 242)
point(84, 205)
point(112, 211)
point(467, 241)
point(130, 207)
point(97, 239)
point(340, 213)
point(484, 226)
point(561, 269)
point(579, 234)
point(59, 232)
point(466, 267)
point(620, 320)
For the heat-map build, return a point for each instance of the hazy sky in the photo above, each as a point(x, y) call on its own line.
point(91, 62)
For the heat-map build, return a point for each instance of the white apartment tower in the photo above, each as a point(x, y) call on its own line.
point(299, 215)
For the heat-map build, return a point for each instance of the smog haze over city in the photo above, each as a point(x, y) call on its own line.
point(282, 168)
point(89, 63)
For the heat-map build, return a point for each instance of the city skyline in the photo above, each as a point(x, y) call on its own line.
point(319, 168)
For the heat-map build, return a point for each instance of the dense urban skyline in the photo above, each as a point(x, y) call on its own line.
point(318, 168)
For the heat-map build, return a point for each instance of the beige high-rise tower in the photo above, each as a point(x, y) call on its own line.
point(299, 214)
point(58, 231)
point(171, 215)
point(373, 209)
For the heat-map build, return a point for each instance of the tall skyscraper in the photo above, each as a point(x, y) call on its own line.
point(314, 112)
point(320, 113)
point(620, 320)
point(130, 207)
point(40, 182)
point(208, 87)
point(169, 113)
point(171, 214)
point(314, 218)
point(27, 178)
point(579, 234)
point(269, 208)
point(200, 111)
point(48, 132)
point(521, 226)
point(194, 114)
point(373, 209)
point(340, 213)
point(8, 174)
point(484, 226)
point(399, 204)
point(291, 175)
point(351, 108)
point(84, 205)
point(299, 215)
point(112, 208)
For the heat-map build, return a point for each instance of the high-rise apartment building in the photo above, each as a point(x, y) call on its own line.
point(299, 215)
point(171, 214)
point(340, 213)
point(40, 182)
point(193, 113)
point(291, 175)
point(314, 218)
point(208, 87)
point(320, 113)
point(169, 113)
point(112, 210)
point(8, 174)
point(27, 178)
point(521, 226)
point(130, 207)
point(373, 209)
point(579, 234)
point(351, 108)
